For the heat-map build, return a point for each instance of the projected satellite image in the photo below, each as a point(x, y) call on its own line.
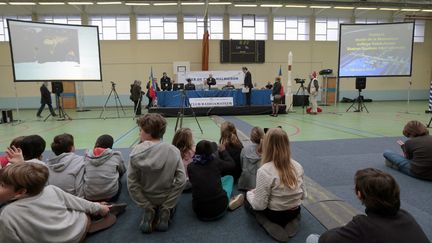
point(43, 44)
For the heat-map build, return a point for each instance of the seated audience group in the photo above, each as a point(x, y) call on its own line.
point(73, 195)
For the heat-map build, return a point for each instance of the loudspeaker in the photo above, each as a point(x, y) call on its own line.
point(325, 72)
point(57, 87)
point(300, 100)
point(361, 83)
point(7, 116)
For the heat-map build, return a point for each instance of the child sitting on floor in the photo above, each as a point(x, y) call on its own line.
point(67, 168)
point(14, 145)
point(211, 187)
point(38, 214)
point(250, 158)
point(232, 144)
point(183, 140)
point(103, 170)
point(279, 191)
point(384, 220)
point(156, 175)
point(32, 147)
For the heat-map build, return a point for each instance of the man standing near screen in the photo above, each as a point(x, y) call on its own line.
point(45, 100)
point(165, 82)
point(247, 83)
point(211, 81)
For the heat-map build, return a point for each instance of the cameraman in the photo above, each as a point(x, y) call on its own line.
point(136, 96)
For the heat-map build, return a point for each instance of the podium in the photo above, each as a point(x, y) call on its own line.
point(329, 87)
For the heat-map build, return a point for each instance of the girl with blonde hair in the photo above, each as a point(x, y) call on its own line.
point(280, 189)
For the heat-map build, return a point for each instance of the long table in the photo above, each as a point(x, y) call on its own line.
point(173, 98)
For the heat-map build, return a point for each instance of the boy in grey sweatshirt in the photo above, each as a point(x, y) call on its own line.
point(156, 175)
point(67, 168)
point(103, 170)
point(38, 214)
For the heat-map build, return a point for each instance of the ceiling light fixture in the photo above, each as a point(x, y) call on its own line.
point(343, 7)
point(295, 6)
point(196, 3)
point(220, 3)
point(426, 10)
point(245, 5)
point(80, 3)
point(108, 3)
point(164, 4)
point(136, 4)
point(318, 6)
point(389, 9)
point(410, 9)
point(22, 3)
point(51, 3)
point(271, 5)
point(366, 8)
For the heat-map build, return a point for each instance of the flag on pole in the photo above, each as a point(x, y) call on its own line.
point(152, 89)
point(280, 71)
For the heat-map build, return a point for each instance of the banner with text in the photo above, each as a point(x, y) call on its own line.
point(211, 102)
point(222, 77)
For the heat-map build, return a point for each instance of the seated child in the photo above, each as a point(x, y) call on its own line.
point(14, 145)
point(233, 145)
point(67, 168)
point(32, 147)
point(183, 140)
point(384, 220)
point(211, 193)
point(103, 170)
point(279, 191)
point(417, 158)
point(250, 159)
point(156, 175)
point(44, 214)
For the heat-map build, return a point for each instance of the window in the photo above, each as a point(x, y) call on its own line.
point(419, 30)
point(112, 27)
point(4, 36)
point(238, 31)
point(156, 27)
point(290, 28)
point(327, 29)
point(194, 27)
point(76, 20)
point(370, 21)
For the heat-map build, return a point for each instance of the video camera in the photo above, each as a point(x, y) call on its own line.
point(299, 80)
point(112, 83)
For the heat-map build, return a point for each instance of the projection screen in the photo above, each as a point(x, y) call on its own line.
point(54, 52)
point(375, 50)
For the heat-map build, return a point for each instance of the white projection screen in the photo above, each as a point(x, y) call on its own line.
point(54, 52)
point(375, 50)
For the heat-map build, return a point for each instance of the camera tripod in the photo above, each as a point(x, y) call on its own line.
point(61, 113)
point(302, 88)
point(360, 103)
point(185, 101)
point(116, 99)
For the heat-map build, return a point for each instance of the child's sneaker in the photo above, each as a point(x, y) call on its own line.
point(117, 208)
point(163, 219)
point(236, 202)
point(147, 220)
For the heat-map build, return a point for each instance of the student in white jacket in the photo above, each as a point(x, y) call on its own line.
point(280, 189)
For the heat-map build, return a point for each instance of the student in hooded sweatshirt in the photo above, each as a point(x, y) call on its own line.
point(156, 174)
point(39, 213)
point(66, 169)
point(103, 170)
point(250, 158)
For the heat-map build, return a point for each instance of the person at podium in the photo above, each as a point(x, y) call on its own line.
point(189, 85)
point(211, 81)
point(165, 82)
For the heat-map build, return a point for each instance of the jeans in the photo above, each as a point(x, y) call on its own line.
point(398, 162)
